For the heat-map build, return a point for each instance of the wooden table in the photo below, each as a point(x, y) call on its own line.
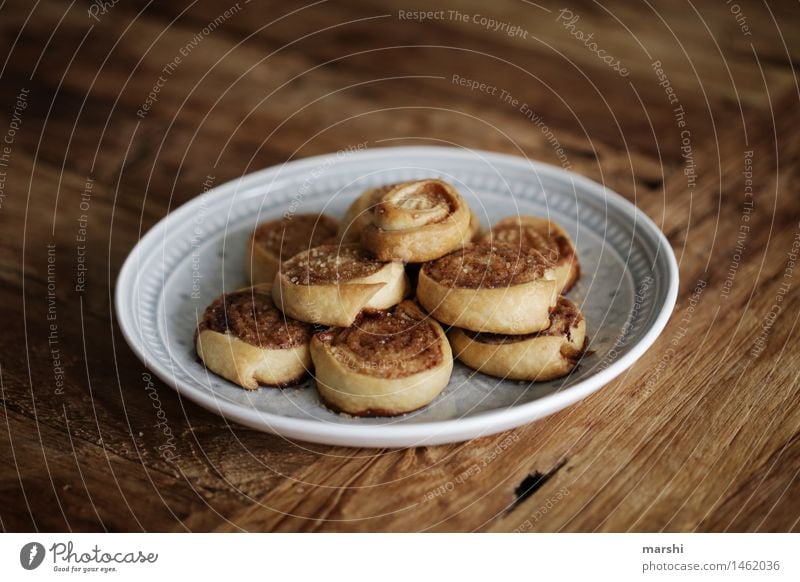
point(112, 117)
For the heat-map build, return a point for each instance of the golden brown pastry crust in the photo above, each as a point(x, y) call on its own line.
point(497, 288)
point(389, 363)
point(545, 236)
point(243, 337)
point(417, 221)
point(279, 240)
point(332, 284)
point(541, 356)
point(359, 214)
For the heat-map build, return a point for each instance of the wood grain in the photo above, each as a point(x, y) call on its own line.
point(701, 434)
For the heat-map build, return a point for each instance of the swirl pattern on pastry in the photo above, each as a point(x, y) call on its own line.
point(416, 222)
point(243, 337)
point(545, 236)
point(485, 287)
point(332, 284)
point(541, 356)
point(359, 214)
point(389, 363)
point(279, 240)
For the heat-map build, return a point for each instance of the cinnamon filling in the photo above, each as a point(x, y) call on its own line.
point(330, 264)
point(388, 344)
point(564, 317)
point(488, 265)
point(250, 315)
point(554, 246)
point(290, 235)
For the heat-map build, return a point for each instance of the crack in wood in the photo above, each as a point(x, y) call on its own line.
point(532, 483)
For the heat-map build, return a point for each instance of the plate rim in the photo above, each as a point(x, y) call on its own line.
point(399, 434)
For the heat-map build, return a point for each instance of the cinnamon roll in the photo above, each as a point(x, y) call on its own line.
point(278, 240)
point(416, 222)
point(332, 284)
point(359, 214)
point(540, 356)
point(243, 337)
point(389, 363)
point(545, 236)
point(485, 287)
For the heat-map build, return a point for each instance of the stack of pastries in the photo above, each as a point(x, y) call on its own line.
point(362, 302)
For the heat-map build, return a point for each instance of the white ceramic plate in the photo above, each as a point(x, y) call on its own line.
point(627, 289)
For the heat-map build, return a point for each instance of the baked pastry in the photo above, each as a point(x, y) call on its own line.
point(416, 222)
point(278, 240)
point(331, 284)
point(243, 337)
point(359, 214)
point(486, 287)
point(540, 356)
point(389, 363)
point(545, 236)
